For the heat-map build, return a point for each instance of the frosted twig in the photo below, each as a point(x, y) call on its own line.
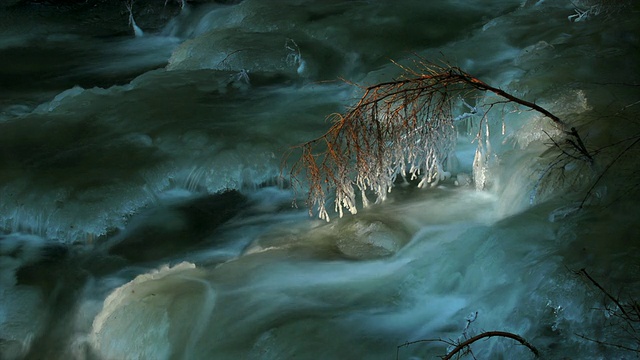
point(402, 127)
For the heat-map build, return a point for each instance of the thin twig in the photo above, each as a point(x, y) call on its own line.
point(606, 169)
point(604, 343)
point(584, 272)
point(481, 85)
point(415, 342)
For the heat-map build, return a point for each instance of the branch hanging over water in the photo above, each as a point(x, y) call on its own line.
point(462, 347)
point(403, 127)
point(488, 334)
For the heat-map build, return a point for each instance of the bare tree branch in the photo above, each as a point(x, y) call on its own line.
point(606, 169)
point(398, 128)
point(417, 342)
point(488, 334)
point(622, 347)
point(605, 292)
point(627, 312)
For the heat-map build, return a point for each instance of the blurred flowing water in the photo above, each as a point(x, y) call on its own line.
point(143, 214)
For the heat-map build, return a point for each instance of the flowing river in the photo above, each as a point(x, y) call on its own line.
point(146, 210)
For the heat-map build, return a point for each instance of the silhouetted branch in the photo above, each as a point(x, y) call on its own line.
point(622, 347)
point(605, 292)
point(417, 342)
point(460, 346)
point(629, 313)
point(606, 169)
point(488, 334)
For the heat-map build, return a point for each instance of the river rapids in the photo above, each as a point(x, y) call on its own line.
point(146, 210)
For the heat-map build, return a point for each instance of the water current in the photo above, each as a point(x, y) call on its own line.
point(144, 215)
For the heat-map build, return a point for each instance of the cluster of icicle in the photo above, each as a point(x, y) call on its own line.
point(398, 130)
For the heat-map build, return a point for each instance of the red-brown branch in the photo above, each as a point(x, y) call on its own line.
point(488, 334)
point(395, 124)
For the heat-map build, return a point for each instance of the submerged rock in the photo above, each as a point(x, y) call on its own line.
point(369, 239)
point(153, 315)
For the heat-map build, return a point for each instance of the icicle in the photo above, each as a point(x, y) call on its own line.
point(295, 56)
point(487, 139)
point(322, 213)
point(339, 209)
point(423, 182)
point(136, 29)
point(479, 168)
point(365, 200)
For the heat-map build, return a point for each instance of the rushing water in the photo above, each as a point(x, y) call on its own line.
point(143, 215)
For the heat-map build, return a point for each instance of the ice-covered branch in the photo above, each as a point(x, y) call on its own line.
point(403, 127)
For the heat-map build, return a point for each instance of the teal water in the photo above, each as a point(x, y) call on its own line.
point(143, 212)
